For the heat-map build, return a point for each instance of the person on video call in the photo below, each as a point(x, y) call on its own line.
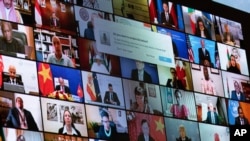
point(8, 12)
point(13, 78)
point(89, 31)
point(183, 136)
point(111, 96)
point(140, 74)
point(18, 117)
point(179, 110)
point(90, 87)
point(204, 54)
point(98, 65)
point(145, 133)
point(233, 66)
point(212, 116)
point(166, 17)
point(207, 84)
point(237, 94)
point(107, 130)
point(241, 119)
point(58, 57)
point(62, 87)
point(54, 20)
point(141, 103)
point(174, 82)
point(68, 125)
point(201, 29)
point(228, 37)
point(7, 42)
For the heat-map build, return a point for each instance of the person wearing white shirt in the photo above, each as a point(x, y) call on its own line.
point(68, 126)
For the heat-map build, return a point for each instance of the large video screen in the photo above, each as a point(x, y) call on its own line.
point(109, 70)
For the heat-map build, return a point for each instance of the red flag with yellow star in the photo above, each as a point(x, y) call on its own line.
point(45, 79)
point(158, 128)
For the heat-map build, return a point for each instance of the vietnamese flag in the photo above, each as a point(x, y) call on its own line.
point(1, 71)
point(157, 128)
point(79, 91)
point(45, 79)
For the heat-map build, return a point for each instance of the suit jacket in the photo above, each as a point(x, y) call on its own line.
point(234, 96)
point(237, 121)
point(170, 22)
point(60, 131)
point(141, 138)
point(14, 122)
point(146, 76)
point(177, 85)
point(107, 98)
point(57, 21)
point(186, 139)
point(18, 80)
point(203, 56)
point(209, 118)
point(66, 89)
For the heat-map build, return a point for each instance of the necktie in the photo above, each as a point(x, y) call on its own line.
point(167, 17)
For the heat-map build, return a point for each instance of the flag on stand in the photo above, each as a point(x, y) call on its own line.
point(152, 10)
point(38, 13)
point(191, 13)
point(45, 80)
point(79, 91)
point(172, 12)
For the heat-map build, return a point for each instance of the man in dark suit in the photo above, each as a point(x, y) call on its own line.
point(18, 117)
point(12, 77)
point(203, 54)
point(62, 87)
point(212, 116)
point(241, 120)
point(166, 17)
point(174, 82)
point(54, 20)
point(140, 74)
point(237, 94)
point(145, 134)
point(111, 96)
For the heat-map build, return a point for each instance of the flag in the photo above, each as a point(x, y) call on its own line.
point(160, 9)
point(158, 129)
point(169, 95)
point(1, 71)
point(91, 93)
point(96, 84)
point(180, 19)
point(38, 13)
point(191, 13)
point(228, 89)
point(79, 91)
point(228, 56)
point(1, 134)
point(45, 80)
point(172, 12)
point(152, 10)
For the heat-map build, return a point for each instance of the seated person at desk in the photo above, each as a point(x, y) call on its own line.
point(7, 42)
point(201, 30)
point(62, 87)
point(141, 103)
point(8, 12)
point(145, 134)
point(107, 130)
point(174, 82)
point(12, 77)
point(111, 96)
point(183, 136)
point(166, 17)
point(233, 66)
point(58, 57)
